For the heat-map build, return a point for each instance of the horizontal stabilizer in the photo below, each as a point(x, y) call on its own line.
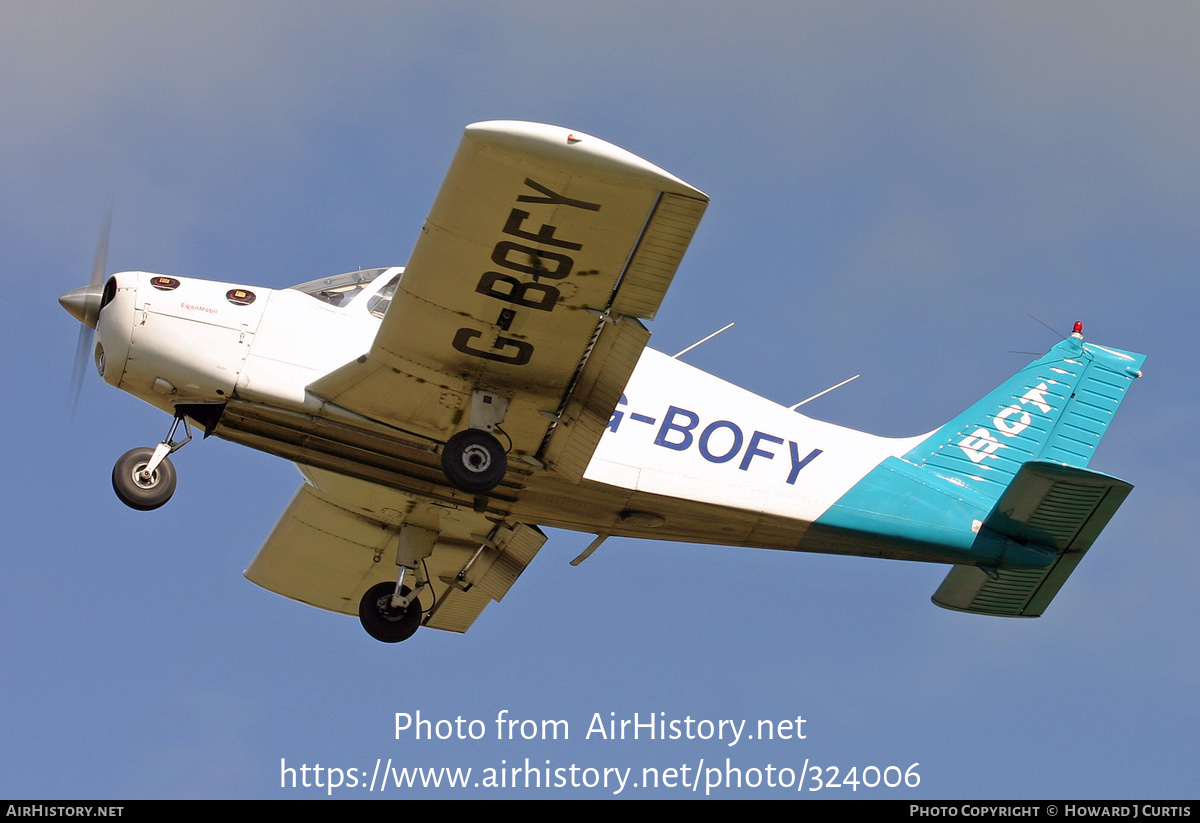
point(1059, 507)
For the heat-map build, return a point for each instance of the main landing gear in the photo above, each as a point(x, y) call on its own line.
point(385, 622)
point(391, 612)
point(144, 478)
point(473, 459)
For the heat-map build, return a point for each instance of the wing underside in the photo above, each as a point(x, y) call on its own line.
point(326, 555)
point(542, 252)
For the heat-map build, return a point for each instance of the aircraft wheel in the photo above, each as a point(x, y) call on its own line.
point(384, 623)
point(474, 461)
point(138, 492)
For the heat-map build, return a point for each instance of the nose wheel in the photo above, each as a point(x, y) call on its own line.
point(144, 478)
point(140, 487)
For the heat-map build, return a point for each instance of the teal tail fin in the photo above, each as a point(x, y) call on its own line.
point(1025, 445)
point(1001, 490)
point(1054, 410)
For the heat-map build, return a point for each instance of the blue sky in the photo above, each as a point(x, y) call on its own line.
point(895, 189)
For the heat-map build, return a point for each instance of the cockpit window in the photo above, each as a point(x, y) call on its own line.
point(379, 303)
point(340, 289)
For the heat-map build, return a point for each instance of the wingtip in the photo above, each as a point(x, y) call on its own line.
point(582, 148)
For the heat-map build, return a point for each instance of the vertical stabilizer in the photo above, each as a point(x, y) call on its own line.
point(1002, 486)
point(1055, 410)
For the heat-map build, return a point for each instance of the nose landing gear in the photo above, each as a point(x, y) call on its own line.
point(139, 486)
point(144, 478)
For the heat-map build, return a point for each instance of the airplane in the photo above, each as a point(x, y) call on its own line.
point(443, 413)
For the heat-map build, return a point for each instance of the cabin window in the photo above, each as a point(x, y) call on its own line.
point(378, 304)
point(340, 289)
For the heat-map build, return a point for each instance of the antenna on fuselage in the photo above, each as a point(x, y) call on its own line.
point(698, 342)
point(827, 391)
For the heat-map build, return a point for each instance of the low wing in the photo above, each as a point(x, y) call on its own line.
point(1059, 507)
point(542, 251)
point(326, 555)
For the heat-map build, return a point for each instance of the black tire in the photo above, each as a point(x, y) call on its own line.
point(384, 623)
point(137, 493)
point(474, 461)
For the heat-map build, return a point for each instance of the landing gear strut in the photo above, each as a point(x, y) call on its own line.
point(144, 478)
point(391, 612)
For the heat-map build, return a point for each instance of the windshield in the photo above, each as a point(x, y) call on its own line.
point(339, 289)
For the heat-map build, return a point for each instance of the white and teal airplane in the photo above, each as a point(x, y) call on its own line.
point(442, 412)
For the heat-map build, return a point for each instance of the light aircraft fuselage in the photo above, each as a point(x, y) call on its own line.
point(441, 412)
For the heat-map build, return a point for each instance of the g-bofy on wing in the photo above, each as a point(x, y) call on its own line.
point(543, 249)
